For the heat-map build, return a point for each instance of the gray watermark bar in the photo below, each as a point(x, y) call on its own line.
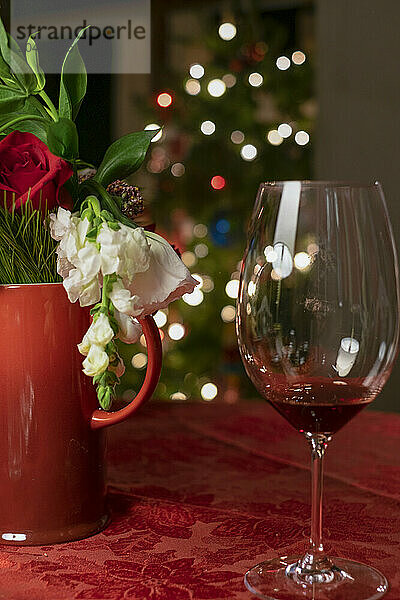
point(117, 41)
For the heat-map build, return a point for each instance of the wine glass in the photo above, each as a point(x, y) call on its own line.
point(318, 330)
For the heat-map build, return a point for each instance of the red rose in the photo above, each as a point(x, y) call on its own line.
point(29, 170)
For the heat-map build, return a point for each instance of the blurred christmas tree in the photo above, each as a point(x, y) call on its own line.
point(243, 116)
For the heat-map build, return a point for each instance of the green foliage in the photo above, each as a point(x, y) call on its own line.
point(32, 58)
point(27, 251)
point(124, 156)
point(73, 81)
point(62, 138)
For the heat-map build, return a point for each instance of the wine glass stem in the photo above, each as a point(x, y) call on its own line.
point(318, 444)
point(314, 566)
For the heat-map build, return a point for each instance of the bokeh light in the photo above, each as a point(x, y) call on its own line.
point(248, 152)
point(139, 360)
point(302, 260)
point(218, 182)
point(274, 137)
point(256, 79)
point(194, 298)
point(207, 127)
point(164, 99)
point(160, 318)
point(200, 230)
point(285, 130)
point(209, 391)
point(176, 331)
point(237, 137)
point(189, 259)
point(201, 250)
point(298, 57)
point(301, 138)
point(229, 80)
point(193, 87)
point(283, 63)
point(178, 169)
point(154, 126)
point(216, 88)
point(228, 313)
point(227, 31)
point(196, 71)
point(232, 288)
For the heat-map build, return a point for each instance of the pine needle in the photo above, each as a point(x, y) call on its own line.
point(27, 251)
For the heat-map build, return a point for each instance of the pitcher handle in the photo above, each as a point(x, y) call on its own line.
point(103, 418)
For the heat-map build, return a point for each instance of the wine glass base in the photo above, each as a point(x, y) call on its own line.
point(276, 580)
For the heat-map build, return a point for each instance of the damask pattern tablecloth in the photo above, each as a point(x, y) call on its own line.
point(201, 492)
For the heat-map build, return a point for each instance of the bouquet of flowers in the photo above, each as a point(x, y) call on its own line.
point(63, 219)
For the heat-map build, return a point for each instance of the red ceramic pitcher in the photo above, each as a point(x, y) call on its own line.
point(52, 482)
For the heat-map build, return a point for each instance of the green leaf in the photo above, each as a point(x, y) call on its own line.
point(124, 156)
point(13, 57)
point(73, 81)
point(11, 100)
point(62, 138)
point(32, 58)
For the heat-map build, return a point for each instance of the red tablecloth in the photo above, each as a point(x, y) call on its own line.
point(201, 492)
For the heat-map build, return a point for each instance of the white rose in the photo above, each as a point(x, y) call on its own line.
point(59, 223)
point(166, 279)
point(129, 329)
point(96, 361)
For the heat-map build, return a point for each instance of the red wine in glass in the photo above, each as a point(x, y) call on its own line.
point(318, 332)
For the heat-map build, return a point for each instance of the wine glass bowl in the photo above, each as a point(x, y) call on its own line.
point(318, 330)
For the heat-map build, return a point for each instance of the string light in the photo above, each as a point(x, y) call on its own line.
point(207, 127)
point(199, 279)
point(228, 313)
point(217, 182)
point(251, 288)
point(283, 63)
point(160, 318)
point(302, 260)
point(274, 137)
point(237, 137)
point(201, 250)
point(193, 87)
point(178, 396)
point(176, 331)
point(196, 71)
point(229, 80)
point(232, 288)
point(285, 130)
point(256, 79)
point(301, 138)
point(270, 254)
point(154, 126)
point(200, 230)
point(189, 259)
point(194, 298)
point(178, 169)
point(208, 284)
point(139, 361)
point(216, 88)
point(298, 57)
point(227, 31)
point(209, 391)
point(248, 152)
point(164, 99)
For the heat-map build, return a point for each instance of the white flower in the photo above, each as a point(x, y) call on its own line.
point(77, 285)
point(100, 331)
point(59, 224)
point(129, 329)
point(84, 346)
point(96, 361)
point(124, 252)
point(88, 260)
point(166, 279)
point(73, 240)
point(122, 298)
